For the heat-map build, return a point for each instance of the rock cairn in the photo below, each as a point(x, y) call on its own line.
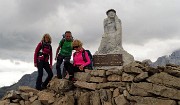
point(134, 84)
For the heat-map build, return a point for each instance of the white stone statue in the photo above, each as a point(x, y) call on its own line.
point(111, 42)
point(112, 36)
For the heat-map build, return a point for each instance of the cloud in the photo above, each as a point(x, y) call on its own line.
point(153, 49)
point(151, 19)
point(6, 81)
point(14, 65)
point(24, 23)
point(11, 71)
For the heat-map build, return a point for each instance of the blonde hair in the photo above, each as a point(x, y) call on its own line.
point(77, 43)
point(49, 37)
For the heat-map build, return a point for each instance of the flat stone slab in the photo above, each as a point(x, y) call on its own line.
point(144, 88)
point(165, 79)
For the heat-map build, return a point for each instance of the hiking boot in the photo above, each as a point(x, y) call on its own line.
point(38, 88)
point(43, 87)
point(71, 78)
point(59, 77)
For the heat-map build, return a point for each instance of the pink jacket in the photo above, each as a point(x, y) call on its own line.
point(78, 59)
point(45, 50)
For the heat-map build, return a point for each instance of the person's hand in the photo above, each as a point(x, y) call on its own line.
point(35, 64)
point(81, 67)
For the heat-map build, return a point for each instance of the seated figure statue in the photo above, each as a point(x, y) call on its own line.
point(111, 42)
point(112, 38)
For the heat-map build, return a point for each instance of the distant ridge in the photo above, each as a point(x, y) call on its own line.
point(174, 58)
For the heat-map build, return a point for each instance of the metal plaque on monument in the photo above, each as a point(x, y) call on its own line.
point(110, 53)
point(108, 60)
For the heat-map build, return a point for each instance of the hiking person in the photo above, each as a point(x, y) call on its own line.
point(79, 64)
point(63, 52)
point(42, 54)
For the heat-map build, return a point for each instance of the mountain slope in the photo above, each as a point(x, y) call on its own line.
point(26, 80)
point(174, 58)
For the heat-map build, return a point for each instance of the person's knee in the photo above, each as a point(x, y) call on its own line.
point(40, 75)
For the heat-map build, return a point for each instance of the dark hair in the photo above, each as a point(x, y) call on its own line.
point(67, 32)
point(110, 10)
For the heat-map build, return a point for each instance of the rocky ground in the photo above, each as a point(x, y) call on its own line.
point(134, 84)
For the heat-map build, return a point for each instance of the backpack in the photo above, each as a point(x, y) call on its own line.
point(90, 66)
point(40, 53)
point(62, 40)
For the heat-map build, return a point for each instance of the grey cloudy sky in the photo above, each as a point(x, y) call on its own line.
point(151, 28)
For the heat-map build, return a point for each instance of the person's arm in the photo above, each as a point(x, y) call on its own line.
point(59, 47)
point(38, 48)
point(51, 57)
point(74, 61)
point(57, 51)
point(87, 58)
point(86, 63)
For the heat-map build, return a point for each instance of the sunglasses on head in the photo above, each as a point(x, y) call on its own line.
point(75, 47)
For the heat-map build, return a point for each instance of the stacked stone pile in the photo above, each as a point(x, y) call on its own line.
point(134, 84)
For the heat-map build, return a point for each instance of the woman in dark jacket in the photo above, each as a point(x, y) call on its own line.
point(42, 54)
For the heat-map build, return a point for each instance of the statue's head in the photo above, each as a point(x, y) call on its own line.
point(111, 13)
point(110, 10)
